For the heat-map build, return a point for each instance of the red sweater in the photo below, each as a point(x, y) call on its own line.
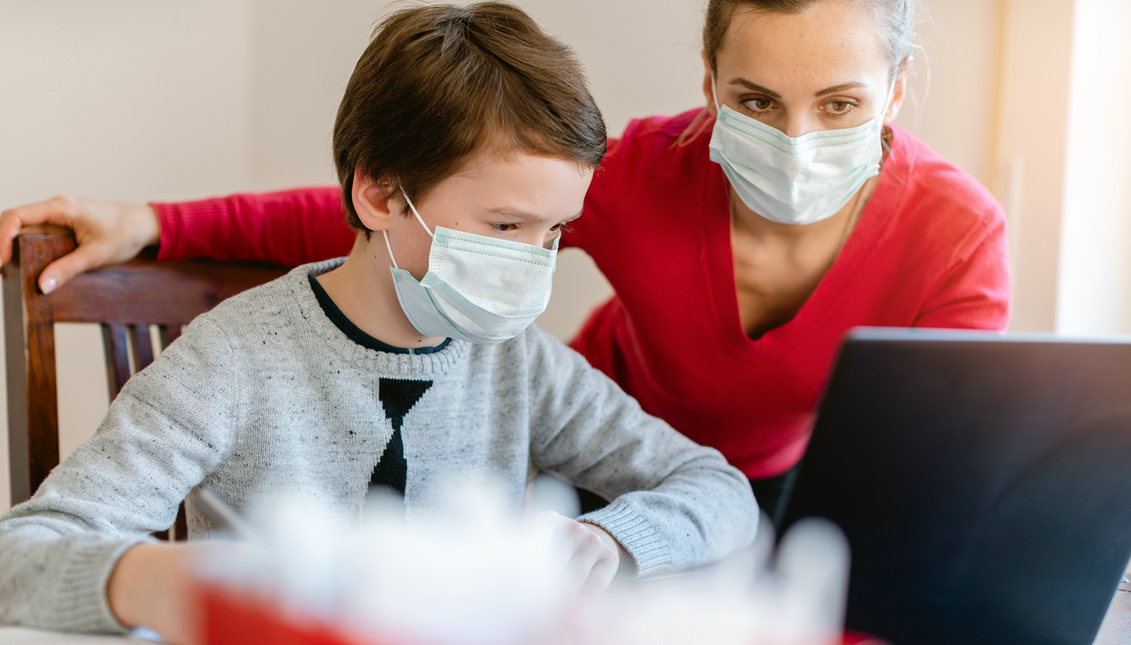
point(929, 250)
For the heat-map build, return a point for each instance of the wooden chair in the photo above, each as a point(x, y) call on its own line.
point(126, 299)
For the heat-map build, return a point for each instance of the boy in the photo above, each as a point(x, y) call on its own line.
point(465, 141)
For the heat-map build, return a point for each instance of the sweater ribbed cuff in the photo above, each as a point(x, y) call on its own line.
point(83, 604)
point(179, 239)
point(633, 533)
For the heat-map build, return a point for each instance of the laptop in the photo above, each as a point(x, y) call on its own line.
point(984, 484)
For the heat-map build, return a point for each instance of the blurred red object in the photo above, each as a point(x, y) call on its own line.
point(229, 619)
point(232, 619)
point(860, 639)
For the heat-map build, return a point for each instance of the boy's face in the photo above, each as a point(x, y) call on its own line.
point(518, 197)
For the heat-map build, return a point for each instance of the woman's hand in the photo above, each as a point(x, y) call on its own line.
point(106, 232)
point(594, 556)
point(152, 585)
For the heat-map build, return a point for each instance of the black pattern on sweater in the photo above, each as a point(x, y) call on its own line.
point(397, 398)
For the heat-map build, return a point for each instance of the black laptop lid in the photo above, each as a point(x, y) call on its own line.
point(984, 484)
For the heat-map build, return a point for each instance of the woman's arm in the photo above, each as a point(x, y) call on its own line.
point(975, 292)
point(289, 227)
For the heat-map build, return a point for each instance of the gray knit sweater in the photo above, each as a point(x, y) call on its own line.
point(265, 393)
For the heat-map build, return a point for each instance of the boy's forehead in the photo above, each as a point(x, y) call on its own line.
point(523, 186)
point(490, 159)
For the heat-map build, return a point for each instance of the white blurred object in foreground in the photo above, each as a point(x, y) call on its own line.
point(472, 573)
point(742, 600)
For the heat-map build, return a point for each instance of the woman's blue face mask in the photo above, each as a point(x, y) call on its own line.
point(794, 180)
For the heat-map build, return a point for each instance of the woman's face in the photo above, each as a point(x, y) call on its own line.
point(822, 69)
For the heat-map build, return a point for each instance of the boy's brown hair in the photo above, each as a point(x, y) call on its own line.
point(438, 83)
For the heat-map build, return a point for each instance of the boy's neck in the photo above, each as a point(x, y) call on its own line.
point(362, 288)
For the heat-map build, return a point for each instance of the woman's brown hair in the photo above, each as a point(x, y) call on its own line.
point(439, 83)
point(895, 23)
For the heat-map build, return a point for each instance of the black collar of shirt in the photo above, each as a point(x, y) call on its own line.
point(354, 333)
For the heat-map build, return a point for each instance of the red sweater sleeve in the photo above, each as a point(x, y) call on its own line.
point(975, 293)
point(289, 227)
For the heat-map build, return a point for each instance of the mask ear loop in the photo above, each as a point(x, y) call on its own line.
point(418, 218)
point(389, 246)
point(414, 212)
point(715, 93)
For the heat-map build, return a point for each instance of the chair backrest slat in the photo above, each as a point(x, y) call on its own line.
point(117, 358)
point(125, 299)
point(169, 333)
point(142, 345)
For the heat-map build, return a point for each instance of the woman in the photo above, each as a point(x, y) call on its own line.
point(742, 239)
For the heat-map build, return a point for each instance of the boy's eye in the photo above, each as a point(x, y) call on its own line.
point(561, 227)
point(503, 228)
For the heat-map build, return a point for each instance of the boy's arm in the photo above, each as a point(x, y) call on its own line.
point(675, 504)
point(169, 427)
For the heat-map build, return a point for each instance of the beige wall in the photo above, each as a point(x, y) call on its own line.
point(1095, 275)
point(1028, 164)
point(141, 100)
point(130, 100)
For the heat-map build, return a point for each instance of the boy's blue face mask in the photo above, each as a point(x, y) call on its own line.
point(479, 289)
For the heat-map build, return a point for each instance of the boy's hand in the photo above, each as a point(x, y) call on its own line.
point(106, 232)
point(594, 556)
point(151, 586)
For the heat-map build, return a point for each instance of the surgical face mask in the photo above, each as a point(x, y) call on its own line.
point(791, 180)
point(479, 289)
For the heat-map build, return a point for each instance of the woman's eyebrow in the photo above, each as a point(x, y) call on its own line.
point(750, 85)
point(840, 88)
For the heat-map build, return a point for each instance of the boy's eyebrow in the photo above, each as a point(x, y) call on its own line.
point(523, 216)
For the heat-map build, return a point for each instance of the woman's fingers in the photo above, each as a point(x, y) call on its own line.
point(106, 232)
point(56, 210)
point(83, 258)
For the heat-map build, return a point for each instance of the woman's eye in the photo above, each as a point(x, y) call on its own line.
point(759, 104)
point(840, 107)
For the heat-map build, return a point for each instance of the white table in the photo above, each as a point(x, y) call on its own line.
point(17, 636)
point(1117, 625)
point(1116, 630)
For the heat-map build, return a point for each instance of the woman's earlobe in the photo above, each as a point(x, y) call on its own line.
point(708, 84)
point(899, 91)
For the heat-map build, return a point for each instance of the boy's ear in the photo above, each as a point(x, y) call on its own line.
point(373, 200)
